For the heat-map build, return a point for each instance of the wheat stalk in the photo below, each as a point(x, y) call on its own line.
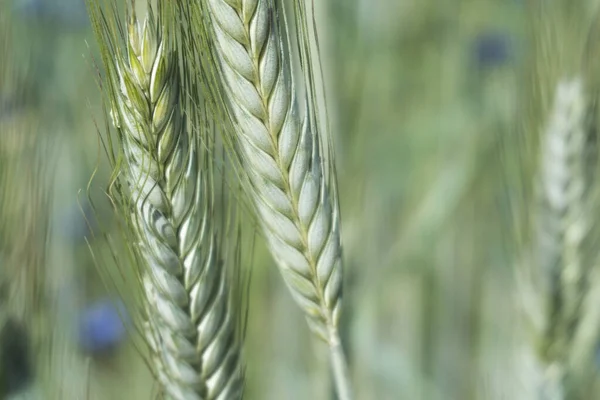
point(191, 323)
point(295, 200)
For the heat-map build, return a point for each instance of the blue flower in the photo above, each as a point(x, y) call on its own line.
point(68, 13)
point(101, 326)
point(492, 49)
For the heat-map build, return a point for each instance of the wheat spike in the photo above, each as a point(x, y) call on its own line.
point(299, 218)
point(563, 186)
point(562, 228)
point(191, 324)
point(281, 156)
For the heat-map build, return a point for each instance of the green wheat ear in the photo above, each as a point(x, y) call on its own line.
point(552, 197)
point(285, 160)
point(165, 188)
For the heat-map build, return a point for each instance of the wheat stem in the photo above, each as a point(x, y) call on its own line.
point(282, 162)
point(341, 374)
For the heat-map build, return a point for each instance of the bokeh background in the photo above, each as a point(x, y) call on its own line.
point(420, 93)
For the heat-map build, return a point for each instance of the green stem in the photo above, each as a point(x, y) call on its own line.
point(339, 367)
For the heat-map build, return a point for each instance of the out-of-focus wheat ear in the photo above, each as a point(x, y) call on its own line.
point(165, 178)
point(562, 227)
point(563, 190)
point(283, 161)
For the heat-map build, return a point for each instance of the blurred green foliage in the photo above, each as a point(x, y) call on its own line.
point(436, 107)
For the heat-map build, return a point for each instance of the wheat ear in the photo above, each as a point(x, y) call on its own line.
point(562, 228)
point(191, 324)
point(282, 161)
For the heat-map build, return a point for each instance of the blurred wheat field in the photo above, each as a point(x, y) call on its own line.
point(438, 112)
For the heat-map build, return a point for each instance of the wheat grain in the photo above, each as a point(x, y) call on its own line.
point(282, 161)
point(191, 324)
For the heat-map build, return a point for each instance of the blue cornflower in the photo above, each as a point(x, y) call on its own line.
point(492, 49)
point(101, 326)
point(68, 13)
